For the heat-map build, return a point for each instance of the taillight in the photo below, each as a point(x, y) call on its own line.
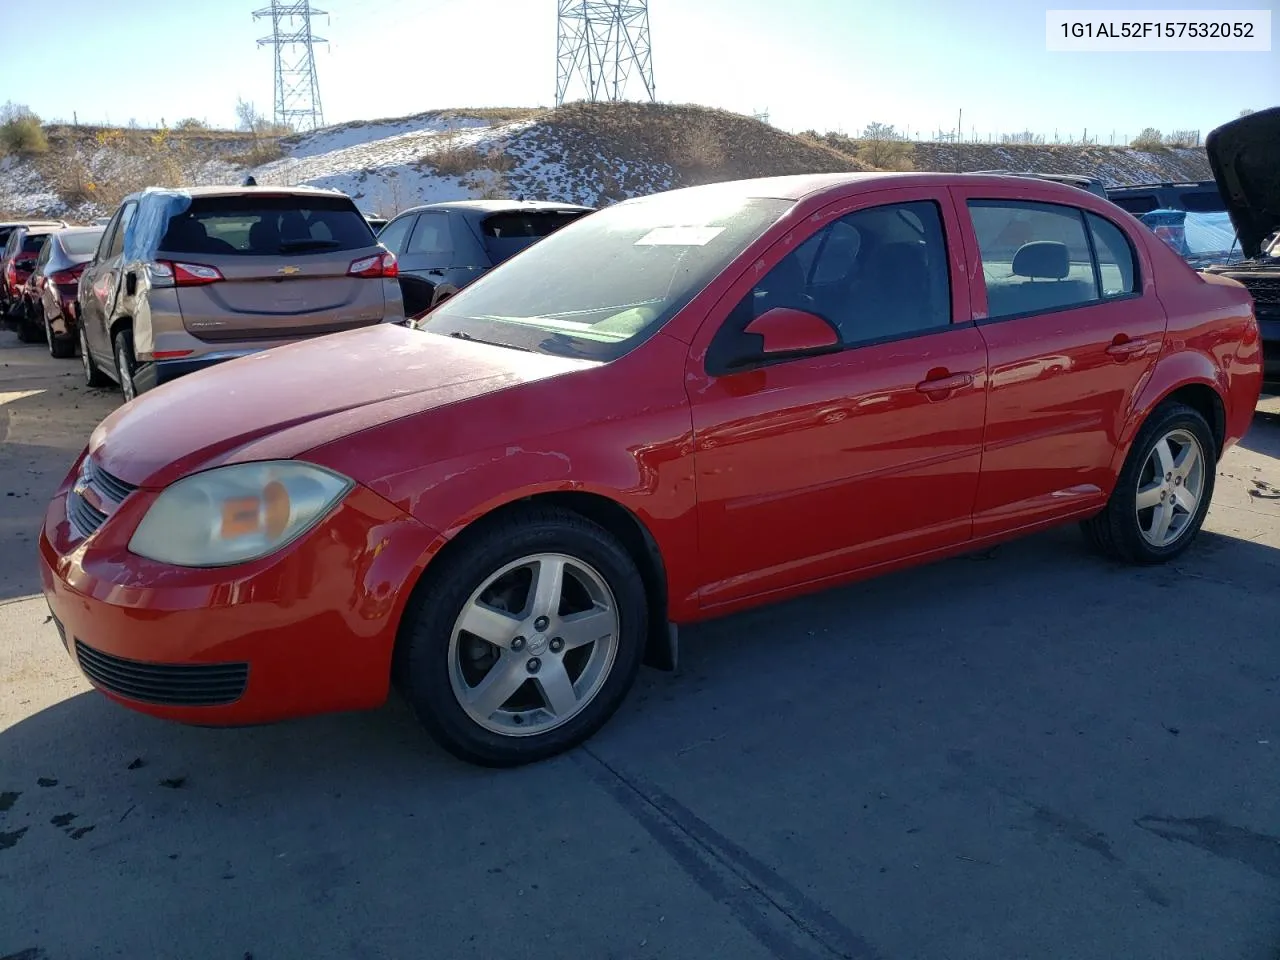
point(167, 273)
point(67, 276)
point(379, 265)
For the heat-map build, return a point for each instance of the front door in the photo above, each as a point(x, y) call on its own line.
point(101, 285)
point(1072, 326)
point(811, 468)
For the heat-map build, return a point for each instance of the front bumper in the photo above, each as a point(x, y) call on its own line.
point(148, 376)
point(308, 630)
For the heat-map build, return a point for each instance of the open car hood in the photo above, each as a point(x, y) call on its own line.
point(1245, 158)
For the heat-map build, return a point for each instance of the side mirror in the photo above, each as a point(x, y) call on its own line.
point(786, 330)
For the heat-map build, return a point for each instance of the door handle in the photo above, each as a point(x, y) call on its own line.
point(1128, 348)
point(945, 384)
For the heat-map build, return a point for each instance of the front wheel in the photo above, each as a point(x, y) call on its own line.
point(524, 643)
point(1163, 492)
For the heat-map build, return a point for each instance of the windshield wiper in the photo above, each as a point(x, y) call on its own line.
point(296, 246)
point(460, 335)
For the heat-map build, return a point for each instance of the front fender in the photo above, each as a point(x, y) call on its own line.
point(1171, 372)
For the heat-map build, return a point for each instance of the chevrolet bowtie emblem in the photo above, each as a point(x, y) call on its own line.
point(289, 271)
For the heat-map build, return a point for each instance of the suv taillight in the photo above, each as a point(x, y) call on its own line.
point(379, 265)
point(168, 273)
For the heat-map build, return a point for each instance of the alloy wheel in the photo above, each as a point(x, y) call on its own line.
point(533, 645)
point(1170, 488)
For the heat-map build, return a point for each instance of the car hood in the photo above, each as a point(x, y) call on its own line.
point(1245, 158)
point(282, 402)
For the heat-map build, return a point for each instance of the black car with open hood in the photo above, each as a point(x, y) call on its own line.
point(1245, 158)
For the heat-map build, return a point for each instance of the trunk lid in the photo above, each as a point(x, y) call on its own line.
point(1245, 158)
point(284, 261)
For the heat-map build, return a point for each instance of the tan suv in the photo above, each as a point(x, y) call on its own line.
point(184, 279)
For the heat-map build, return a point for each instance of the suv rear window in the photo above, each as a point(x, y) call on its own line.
point(267, 226)
point(506, 234)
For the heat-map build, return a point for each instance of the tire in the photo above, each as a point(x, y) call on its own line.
point(60, 348)
point(93, 377)
point(1118, 531)
point(126, 364)
point(438, 664)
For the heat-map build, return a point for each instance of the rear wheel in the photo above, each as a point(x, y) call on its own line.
point(61, 348)
point(525, 643)
point(1163, 492)
point(93, 377)
point(126, 364)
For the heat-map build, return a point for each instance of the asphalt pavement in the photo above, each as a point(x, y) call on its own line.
point(1027, 752)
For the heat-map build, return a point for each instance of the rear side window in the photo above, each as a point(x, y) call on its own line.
point(1140, 203)
point(117, 238)
point(1202, 201)
point(506, 234)
point(253, 225)
point(431, 235)
point(1116, 266)
point(1035, 256)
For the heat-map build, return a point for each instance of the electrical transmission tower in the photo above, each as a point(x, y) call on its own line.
point(603, 43)
point(297, 88)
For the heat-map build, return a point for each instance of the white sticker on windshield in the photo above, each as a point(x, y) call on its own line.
point(679, 237)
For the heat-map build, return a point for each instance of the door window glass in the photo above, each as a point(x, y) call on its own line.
point(1035, 257)
point(395, 233)
point(431, 236)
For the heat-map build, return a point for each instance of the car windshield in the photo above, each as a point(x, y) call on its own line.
point(1202, 239)
point(603, 284)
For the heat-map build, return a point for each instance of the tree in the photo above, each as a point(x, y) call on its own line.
point(1183, 138)
point(1246, 111)
point(884, 148)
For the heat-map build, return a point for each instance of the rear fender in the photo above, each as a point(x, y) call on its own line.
point(1170, 372)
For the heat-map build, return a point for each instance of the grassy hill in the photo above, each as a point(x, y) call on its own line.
point(586, 153)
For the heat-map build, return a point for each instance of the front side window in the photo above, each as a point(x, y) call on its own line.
point(601, 285)
point(1035, 257)
point(394, 234)
point(877, 274)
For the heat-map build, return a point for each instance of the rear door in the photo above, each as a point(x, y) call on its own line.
point(429, 251)
point(1072, 324)
point(261, 266)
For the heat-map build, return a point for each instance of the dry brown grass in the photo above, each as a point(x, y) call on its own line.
point(701, 144)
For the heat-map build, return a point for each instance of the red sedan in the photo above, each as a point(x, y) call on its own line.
point(677, 407)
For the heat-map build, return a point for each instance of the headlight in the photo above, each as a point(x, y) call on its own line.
point(236, 514)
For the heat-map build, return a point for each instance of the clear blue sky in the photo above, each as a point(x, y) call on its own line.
point(827, 64)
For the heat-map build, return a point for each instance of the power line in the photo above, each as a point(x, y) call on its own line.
point(602, 44)
point(297, 89)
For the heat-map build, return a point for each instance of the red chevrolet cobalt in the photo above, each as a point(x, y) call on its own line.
point(677, 407)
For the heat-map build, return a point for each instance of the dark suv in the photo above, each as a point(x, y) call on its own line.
point(1245, 155)
point(184, 279)
point(442, 247)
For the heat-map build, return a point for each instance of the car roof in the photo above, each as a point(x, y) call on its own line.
point(7, 224)
point(498, 206)
point(228, 190)
point(799, 187)
point(1164, 185)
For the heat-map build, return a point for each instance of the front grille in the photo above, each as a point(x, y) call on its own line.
point(1265, 290)
point(85, 518)
point(166, 684)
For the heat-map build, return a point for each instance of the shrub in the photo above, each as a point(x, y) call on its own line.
point(1149, 139)
point(23, 134)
